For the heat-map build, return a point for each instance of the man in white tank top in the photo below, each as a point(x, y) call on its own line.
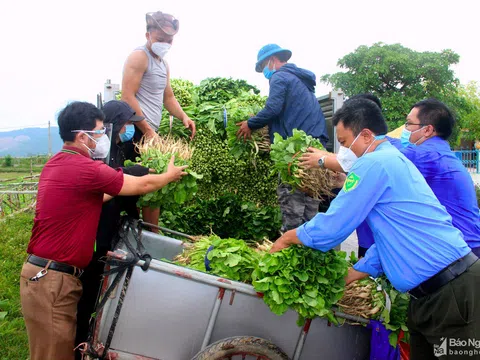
point(146, 85)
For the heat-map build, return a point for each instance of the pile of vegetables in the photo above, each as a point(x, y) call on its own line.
point(156, 154)
point(226, 216)
point(305, 280)
point(229, 258)
point(285, 154)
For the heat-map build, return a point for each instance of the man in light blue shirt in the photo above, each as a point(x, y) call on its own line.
point(416, 245)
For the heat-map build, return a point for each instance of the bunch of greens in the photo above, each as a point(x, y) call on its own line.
point(305, 280)
point(229, 258)
point(156, 155)
point(224, 174)
point(368, 298)
point(285, 154)
point(226, 216)
point(395, 319)
point(221, 90)
point(241, 109)
point(219, 95)
point(186, 94)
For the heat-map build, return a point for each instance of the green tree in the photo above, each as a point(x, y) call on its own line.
point(469, 113)
point(8, 161)
point(398, 76)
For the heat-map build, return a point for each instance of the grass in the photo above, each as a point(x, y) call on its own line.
point(19, 175)
point(14, 236)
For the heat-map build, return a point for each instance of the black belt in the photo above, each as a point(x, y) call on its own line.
point(68, 269)
point(451, 272)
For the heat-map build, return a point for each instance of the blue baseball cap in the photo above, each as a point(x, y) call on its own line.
point(267, 51)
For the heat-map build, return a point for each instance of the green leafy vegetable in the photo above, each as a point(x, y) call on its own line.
point(305, 280)
point(229, 258)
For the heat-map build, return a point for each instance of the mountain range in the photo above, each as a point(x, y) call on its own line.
point(29, 142)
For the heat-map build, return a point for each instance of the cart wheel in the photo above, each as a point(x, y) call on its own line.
point(242, 347)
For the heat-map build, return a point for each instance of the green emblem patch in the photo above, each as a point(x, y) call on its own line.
point(351, 182)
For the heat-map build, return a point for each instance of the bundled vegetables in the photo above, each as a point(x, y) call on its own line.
point(305, 280)
point(285, 154)
point(377, 299)
point(229, 258)
point(156, 154)
point(241, 109)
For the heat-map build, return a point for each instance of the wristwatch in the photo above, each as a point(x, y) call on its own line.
point(321, 162)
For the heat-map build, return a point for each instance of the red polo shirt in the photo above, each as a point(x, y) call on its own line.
point(69, 202)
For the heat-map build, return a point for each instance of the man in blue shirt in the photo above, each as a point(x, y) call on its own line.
point(416, 245)
point(429, 125)
point(424, 142)
point(291, 104)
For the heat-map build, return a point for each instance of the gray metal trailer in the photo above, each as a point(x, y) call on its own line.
point(169, 312)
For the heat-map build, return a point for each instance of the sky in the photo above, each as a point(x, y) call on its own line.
point(55, 52)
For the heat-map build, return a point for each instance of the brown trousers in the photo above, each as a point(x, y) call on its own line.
point(49, 307)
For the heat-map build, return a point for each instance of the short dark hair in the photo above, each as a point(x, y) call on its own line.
point(78, 116)
point(368, 96)
point(358, 114)
point(434, 112)
point(283, 56)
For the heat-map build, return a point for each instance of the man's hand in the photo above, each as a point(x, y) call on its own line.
point(190, 124)
point(175, 172)
point(354, 275)
point(309, 160)
point(340, 179)
point(244, 130)
point(285, 241)
point(150, 134)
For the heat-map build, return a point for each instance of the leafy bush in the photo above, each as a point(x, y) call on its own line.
point(8, 161)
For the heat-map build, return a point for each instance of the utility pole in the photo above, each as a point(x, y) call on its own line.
point(49, 141)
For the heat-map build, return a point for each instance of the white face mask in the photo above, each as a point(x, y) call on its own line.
point(346, 157)
point(102, 148)
point(160, 49)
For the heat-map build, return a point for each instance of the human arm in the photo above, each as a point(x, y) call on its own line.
point(274, 105)
point(363, 188)
point(133, 71)
point(173, 107)
point(310, 160)
point(370, 264)
point(286, 240)
point(354, 275)
point(145, 184)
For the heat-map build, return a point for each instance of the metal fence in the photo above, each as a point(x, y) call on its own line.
point(470, 159)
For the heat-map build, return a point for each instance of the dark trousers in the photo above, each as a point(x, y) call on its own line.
point(439, 323)
point(91, 279)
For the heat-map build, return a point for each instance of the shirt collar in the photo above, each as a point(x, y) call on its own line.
point(80, 151)
point(436, 141)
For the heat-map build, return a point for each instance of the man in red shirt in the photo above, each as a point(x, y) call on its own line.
point(71, 190)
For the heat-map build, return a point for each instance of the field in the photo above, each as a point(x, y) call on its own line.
point(14, 236)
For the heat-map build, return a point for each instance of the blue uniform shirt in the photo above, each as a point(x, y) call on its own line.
point(414, 236)
point(451, 183)
point(364, 234)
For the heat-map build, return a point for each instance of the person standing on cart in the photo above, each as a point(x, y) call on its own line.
point(416, 245)
point(71, 191)
point(291, 104)
point(122, 117)
point(146, 87)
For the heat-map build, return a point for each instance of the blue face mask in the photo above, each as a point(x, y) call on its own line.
point(128, 134)
point(267, 72)
point(405, 137)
